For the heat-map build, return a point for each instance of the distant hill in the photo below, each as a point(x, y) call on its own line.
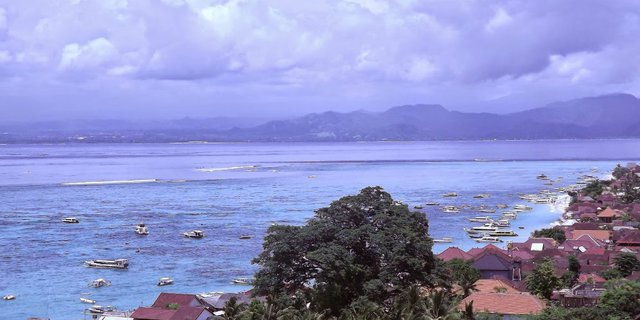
point(609, 116)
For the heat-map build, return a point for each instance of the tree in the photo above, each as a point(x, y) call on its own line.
point(631, 188)
point(542, 280)
point(463, 274)
point(626, 263)
point(623, 296)
point(554, 233)
point(367, 245)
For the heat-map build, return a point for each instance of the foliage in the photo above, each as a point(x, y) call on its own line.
point(542, 280)
point(626, 263)
point(364, 246)
point(619, 171)
point(623, 295)
point(463, 274)
point(568, 279)
point(554, 233)
point(611, 273)
point(595, 188)
point(584, 313)
point(173, 306)
point(574, 264)
point(631, 188)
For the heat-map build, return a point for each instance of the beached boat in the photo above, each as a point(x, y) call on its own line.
point(450, 194)
point(242, 281)
point(196, 234)
point(141, 229)
point(108, 264)
point(99, 283)
point(70, 220)
point(480, 219)
point(502, 233)
point(443, 240)
point(489, 239)
point(9, 297)
point(165, 281)
point(87, 300)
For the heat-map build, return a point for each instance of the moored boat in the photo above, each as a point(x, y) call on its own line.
point(100, 309)
point(9, 297)
point(480, 219)
point(99, 283)
point(450, 194)
point(450, 209)
point(432, 203)
point(489, 239)
point(196, 234)
point(502, 233)
point(481, 196)
point(165, 281)
point(87, 300)
point(108, 264)
point(443, 240)
point(243, 281)
point(141, 229)
point(70, 220)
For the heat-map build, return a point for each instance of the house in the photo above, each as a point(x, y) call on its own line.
point(454, 253)
point(508, 305)
point(582, 295)
point(607, 199)
point(491, 262)
point(629, 239)
point(173, 306)
point(494, 286)
point(603, 235)
point(607, 215)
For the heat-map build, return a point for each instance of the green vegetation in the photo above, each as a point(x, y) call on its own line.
point(631, 188)
point(595, 188)
point(542, 280)
point(363, 248)
point(626, 263)
point(554, 233)
point(462, 274)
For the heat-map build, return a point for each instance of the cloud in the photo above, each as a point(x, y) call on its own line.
point(394, 48)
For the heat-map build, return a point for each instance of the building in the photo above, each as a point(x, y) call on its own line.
point(508, 305)
point(173, 306)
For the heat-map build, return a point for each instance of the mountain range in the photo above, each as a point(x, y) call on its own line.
point(608, 116)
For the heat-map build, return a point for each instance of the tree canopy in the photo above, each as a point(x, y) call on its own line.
point(364, 246)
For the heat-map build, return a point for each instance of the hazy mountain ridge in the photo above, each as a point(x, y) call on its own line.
point(609, 116)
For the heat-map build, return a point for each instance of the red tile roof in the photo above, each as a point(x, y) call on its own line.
point(182, 313)
point(584, 278)
point(630, 238)
point(504, 303)
point(490, 285)
point(596, 234)
point(608, 213)
point(165, 299)
point(454, 253)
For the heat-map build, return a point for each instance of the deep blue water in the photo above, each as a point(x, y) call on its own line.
point(262, 184)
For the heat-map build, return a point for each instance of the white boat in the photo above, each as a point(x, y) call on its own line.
point(243, 281)
point(471, 231)
point(481, 219)
point(489, 239)
point(99, 283)
point(501, 206)
point(450, 194)
point(503, 223)
point(9, 297)
point(141, 229)
point(108, 264)
point(432, 203)
point(485, 227)
point(87, 300)
point(481, 196)
point(196, 234)
point(487, 210)
point(503, 233)
point(100, 309)
point(521, 207)
point(245, 237)
point(443, 240)
point(70, 220)
point(165, 281)
point(450, 209)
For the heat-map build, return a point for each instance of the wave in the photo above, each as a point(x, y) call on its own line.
point(225, 168)
point(104, 182)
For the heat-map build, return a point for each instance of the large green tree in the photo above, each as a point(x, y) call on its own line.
point(622, 296)
point(542, 280)
point(363, 246)
point(626, 263)
point(463, 274)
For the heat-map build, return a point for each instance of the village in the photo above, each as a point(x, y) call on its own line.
point(599, 240)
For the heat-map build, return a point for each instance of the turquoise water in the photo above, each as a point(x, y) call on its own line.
point(229, 190)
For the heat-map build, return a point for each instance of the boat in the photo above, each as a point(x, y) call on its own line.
point(99, 283)
point(450, 209)
point(165, 281)
point(542, 176)
point(486, 227)
point(487, 210)
point(432, 203)
point(481, 196)
point(471, 231)
point(476, 235)
point(443, 240)
point(87, 300)
point(70, 220)
point(520, 227)
point(100, 309)
point(108, 264)
point(243, 281)
point(418, 207)
point(501, 206)
point(196, 234)
point(450, 194)
point(9, 297)
point(245, 237)
point(521, 207)
point(503, 233)
point(503, 223)
point(141, 229)
point(480, 219)
point(489, 239)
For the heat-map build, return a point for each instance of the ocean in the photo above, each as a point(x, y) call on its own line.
point(233, 189)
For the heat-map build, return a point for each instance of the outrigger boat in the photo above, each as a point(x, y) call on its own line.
point(489, 239)
point(108, 264)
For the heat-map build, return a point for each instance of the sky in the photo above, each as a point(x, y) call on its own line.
point(163, 59)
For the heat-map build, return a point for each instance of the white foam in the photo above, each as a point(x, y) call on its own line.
point(225, 168)
point(104, 182)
